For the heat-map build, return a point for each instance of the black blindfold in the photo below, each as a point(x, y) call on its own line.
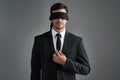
point(59, 15)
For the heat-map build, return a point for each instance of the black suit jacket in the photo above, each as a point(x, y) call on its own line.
point(42, 65)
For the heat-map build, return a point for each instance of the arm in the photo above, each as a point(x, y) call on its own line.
point(35, 62)
point(81, 64)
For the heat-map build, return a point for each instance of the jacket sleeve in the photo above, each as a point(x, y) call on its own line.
point(81, 64)
point(35, 62)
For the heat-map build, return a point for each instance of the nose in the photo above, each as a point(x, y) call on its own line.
point(59, 19)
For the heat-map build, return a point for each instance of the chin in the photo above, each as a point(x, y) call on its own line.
point(60, 27)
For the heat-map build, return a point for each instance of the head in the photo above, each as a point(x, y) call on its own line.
point(59, 16)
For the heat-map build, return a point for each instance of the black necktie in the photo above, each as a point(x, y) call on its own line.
point(58, 42)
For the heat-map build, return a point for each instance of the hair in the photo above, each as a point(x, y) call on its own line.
point(57, 6)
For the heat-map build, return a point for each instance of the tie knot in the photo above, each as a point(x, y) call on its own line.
point(58, 35)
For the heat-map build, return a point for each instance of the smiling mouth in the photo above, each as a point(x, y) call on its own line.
point(59, 23)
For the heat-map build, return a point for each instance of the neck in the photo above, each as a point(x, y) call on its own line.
point(59, 30)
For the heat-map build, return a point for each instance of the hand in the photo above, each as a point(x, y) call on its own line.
point(59, 57)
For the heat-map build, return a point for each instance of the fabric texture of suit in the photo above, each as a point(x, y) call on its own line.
point(42, 65)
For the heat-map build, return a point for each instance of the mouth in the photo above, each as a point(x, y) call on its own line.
point(59, 23)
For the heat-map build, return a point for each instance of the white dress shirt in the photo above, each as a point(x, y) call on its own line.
point(55, 38)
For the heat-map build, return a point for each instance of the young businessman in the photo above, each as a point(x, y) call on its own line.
point(58, 54)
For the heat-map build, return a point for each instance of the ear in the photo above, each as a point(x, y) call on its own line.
point(51, 20)
point(66, 21)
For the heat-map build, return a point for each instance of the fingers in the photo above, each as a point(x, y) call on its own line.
point(54, 55)
point(61, 53)
point(59, 57)
point(57, 53)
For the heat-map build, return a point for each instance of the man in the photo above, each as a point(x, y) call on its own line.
point(58, 54)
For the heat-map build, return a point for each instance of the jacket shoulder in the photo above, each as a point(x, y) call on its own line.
point(74, 36)
point(43, 35)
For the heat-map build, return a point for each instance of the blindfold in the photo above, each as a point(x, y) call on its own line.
point(59, 15)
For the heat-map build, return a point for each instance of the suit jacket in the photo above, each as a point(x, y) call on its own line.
point(42, 65)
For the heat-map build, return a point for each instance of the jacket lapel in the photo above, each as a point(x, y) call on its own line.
point(66, 45)
point(50, 42)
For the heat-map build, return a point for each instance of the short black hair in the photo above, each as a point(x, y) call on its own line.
point(58, 6)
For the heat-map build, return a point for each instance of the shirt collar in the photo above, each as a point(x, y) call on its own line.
point(62, 33)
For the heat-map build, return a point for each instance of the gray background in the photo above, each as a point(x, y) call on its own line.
point(97, 21)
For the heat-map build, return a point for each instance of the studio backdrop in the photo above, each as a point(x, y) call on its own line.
point(96, 21)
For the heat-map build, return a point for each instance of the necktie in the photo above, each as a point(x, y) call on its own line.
point(58, 42)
